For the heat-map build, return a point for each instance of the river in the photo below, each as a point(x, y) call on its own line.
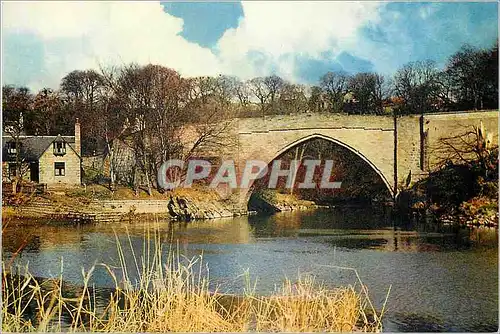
point(441, 280)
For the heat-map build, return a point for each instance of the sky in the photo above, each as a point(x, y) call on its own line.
point(297, 40)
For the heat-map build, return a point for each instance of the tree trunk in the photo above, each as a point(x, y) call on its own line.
point(295, 171)
point(148, 182)
point(18, 177)
point(112, 176)
point(134, 181)
point(14, 186)
point(148, 178)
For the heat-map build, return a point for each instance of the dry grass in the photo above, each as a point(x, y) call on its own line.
point(292, 200)
point(98, 191)
point(308, 307)
point(173, 295)
point(8, 212)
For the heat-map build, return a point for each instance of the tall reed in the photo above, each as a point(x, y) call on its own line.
point(172, 293)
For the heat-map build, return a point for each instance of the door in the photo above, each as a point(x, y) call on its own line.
point(34, 172)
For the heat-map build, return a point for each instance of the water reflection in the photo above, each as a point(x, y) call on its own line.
point(442, 278)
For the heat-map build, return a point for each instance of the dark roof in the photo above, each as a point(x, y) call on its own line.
point(32, 147)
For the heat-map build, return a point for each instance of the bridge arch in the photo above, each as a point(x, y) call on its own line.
point(332, 140)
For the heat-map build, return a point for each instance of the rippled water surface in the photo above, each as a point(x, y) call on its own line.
point(442, 279)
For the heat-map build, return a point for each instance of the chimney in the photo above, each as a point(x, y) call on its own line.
point(78, 144)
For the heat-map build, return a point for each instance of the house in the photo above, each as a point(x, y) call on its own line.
point(51, 160)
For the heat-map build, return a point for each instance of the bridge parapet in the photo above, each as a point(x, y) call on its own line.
point(314, 121)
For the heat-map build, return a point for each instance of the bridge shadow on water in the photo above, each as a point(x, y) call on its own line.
point(369, 227)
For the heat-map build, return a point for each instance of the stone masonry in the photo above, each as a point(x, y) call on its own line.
point(392, 149)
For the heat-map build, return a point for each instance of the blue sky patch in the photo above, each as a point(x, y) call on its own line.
point(310, 69)
point(418, 31)
point(205, 22)
point(23, 56)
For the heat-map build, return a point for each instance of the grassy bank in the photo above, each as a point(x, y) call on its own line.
point(462, 194)
point(270, 200)
point(80, 195)
point(96, 203)
point(174, 294)
point(463, 189)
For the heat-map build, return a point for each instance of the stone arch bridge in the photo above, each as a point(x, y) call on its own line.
point(393, 147)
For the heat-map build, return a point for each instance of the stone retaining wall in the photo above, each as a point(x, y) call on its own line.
point(126, 210)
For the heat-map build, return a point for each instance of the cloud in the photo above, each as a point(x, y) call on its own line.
point(80, 35)
point(426, 10)
point(303, 28)
point(298, 40)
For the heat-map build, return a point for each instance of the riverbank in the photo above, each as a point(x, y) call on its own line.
point(311, 308)
point(272, 201)
point(453, 198)
point(463, 189)
point(175, 294)
point(98, 204)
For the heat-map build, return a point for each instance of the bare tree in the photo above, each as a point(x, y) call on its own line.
point(242, 92)
point(315, 100)
point(209, 119)
point(159, 108)
point(85, 94)
point(473, 74)
point(416, 83)
point(473, 145)
point(367, 89)
point(83, 86)
point(16, 104)
point(260, 90)
point(293, 98)
point(334, 84)
point(274, 86)
point(133, 90)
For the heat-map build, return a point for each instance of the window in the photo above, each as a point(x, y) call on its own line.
point(59, 148)
point(59, 168)
point(12, 170)
point(11, 147)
